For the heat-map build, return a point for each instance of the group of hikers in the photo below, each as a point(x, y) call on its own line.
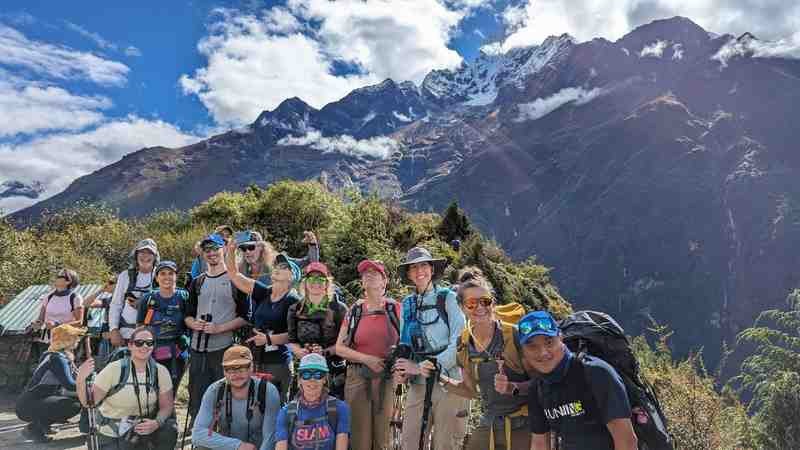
point(277, 359)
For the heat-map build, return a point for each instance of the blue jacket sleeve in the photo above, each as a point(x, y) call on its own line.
point(447, 359)
point(60, 368)
point(281, 427)
point(270, 414)
point(202, 424)
point(343, 417)
point(405, 331)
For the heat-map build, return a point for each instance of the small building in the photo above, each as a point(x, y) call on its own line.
point(15, 341)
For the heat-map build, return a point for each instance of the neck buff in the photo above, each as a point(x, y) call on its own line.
point(561, 370)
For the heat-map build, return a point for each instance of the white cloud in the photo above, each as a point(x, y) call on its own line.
point(255, 62)
point(380, 147)
point(770, 19)
point(58, 61)
point(92, 36)
point(654, 50)
point(35, 108)
point(132, 51)
point(544, 106)
point(783, 48)
point(57, 159)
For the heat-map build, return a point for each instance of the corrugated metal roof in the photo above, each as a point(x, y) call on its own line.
point(23, 309)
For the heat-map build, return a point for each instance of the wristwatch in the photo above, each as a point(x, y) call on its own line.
point(515, 390)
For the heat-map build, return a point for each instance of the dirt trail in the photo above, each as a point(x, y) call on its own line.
point(67, 438)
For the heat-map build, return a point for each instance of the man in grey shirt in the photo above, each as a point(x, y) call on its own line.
point(239, 411)
point(215, 309)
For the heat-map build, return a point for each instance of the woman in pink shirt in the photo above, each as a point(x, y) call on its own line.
point(368, 333)
point(60, 306)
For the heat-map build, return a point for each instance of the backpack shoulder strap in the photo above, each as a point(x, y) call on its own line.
point(441, 305)
point(132, 276)
point(332, 413)
point(352, 325)
point(394, 318)
point(153, 367)
point(72, 301)
point(291, 416)
point(262, 395)
point(124, 374)
point(512, 350)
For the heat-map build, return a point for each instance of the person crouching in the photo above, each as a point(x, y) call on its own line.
point(49, 396)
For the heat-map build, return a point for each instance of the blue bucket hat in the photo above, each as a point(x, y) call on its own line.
point(296, 273)
point(537, 323)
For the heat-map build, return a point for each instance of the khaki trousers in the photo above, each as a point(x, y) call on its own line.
point(479, 439)
point(447, 423)
point(369, 417)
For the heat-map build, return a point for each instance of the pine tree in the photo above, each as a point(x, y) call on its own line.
point(455, 224)
point(772, 375)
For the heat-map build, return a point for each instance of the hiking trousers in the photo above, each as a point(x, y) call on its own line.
point(369, 413)
point(204, 369)
point(44, 411)
point(281, 377)
point(447, 424)
point(479, 439)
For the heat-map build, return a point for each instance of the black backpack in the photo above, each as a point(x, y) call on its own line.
point(599, 335)
point(257, 395)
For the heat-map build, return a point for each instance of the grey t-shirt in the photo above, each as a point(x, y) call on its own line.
point(261, 428)
point(494, 403)
point(215, 297)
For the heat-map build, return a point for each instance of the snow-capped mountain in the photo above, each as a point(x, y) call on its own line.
point(479, 82)
point(658, 174)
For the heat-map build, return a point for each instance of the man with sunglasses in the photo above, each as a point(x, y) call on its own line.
point(581, 398)
point(214, 310)
point(239, 411)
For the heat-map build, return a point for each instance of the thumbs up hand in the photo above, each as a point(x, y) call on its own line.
point(501, 383)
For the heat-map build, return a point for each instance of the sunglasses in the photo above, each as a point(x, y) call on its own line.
point(142, 342)
point(247, 247)
point(312, 374)
point(317, 280)
point(211, 248)
point(473, 302)
point(535, 323)
point(237, 369)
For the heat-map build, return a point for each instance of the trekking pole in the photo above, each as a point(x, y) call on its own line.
point(396, 423)
point(208, 319)
point(91, 410)
point(188, 405)
point(428, 403)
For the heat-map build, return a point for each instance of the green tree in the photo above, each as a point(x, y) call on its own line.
point(772, 374)
point(455, 224)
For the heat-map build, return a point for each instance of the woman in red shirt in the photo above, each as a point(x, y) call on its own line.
point(368, 333)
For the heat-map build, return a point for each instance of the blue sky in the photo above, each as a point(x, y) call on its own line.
point(84, 83)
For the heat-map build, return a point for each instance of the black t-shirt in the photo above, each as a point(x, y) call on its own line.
point(272, 316)
point(579, 407)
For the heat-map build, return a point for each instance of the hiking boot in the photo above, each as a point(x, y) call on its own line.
point(35, 433)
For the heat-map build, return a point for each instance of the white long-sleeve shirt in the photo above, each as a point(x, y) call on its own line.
point(119, 308)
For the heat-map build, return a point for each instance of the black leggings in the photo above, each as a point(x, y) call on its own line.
point(44, 411)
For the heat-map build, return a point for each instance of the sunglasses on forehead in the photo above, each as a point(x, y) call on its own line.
point(471, 303)
point(536, 323)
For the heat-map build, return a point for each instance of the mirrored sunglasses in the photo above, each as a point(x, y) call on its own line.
point(309, 374)
point(535, 323)
point(473, 302)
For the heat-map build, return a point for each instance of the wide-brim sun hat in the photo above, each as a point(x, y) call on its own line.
point(419, 255)
point(144, 244)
